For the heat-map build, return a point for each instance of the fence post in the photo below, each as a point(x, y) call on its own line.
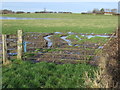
point(19, 45)
point(4, 49)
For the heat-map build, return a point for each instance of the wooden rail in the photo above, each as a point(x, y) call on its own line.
point(4, 49)
point(19, 45)
point(16, 43)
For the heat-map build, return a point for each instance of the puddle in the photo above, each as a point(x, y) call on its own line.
point(45, 37)
point(78, 37)
point(68, 41)
point(11, 49)
point(12, 54)
point(85, 35)
point(49, 41)
point(102, 35)
point(76, 45)
point(40, 52)
point(71, 33)
point(22, 18)
point(90, 36)
point(62, 37)
point(58, 32)
point(100, 47)
point(13, 40)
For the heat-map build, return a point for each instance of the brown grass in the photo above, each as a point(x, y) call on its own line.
point(108, 75)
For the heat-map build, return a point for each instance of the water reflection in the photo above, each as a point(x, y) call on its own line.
point(22, 18)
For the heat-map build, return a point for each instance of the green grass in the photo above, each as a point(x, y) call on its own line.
point(24, 74)
point(72, 37)
point(65, 23)
point(96, 39)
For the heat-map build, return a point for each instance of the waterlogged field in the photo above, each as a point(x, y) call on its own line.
point(62, 23)
point(24, 74)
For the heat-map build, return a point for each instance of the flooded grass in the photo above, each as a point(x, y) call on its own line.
point(36, 73)
point(68, 23)
point(63, 46)
point(45, 44)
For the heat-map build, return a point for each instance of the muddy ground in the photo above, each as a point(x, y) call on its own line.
point(52, 48)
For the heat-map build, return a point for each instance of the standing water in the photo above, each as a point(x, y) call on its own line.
point(49, 41)
point(78, 37)
point(68, 41)
point(23, 18)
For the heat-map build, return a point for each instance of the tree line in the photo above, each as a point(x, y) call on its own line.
point(5, 11)
point(102, 11)
point(94, 11)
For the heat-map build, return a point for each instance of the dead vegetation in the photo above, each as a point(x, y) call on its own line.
point(108, 75)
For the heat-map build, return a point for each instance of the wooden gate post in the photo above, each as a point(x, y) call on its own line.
point(19, 45)
point(4, 49)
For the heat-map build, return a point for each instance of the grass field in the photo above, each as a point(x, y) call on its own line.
point(23, 74)
point(63, 23)
point(45, 75)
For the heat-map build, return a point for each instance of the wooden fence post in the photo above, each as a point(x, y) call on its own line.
point(19, 45)
point(4, 49)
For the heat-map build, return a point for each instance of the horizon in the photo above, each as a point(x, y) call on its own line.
point(74, 7)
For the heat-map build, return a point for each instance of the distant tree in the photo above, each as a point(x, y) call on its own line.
point(37, 12)
point(83, 12)
point(19, 12)
point(5, 11)
point(0, 11)
point(28, 12)
point(102, 10)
